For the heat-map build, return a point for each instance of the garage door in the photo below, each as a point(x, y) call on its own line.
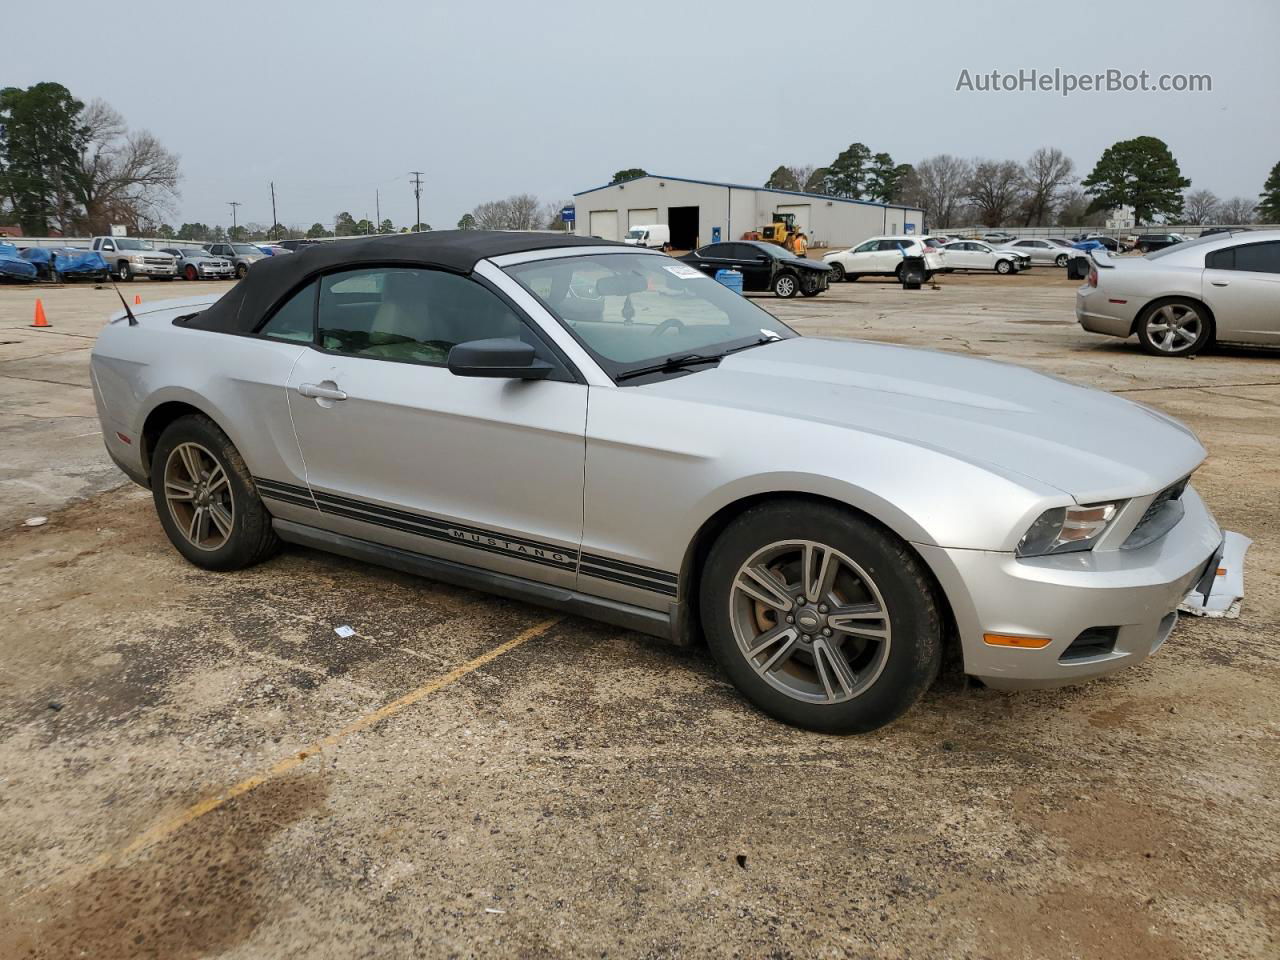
point(604, 224)
point(801, 210)
point(642, 218)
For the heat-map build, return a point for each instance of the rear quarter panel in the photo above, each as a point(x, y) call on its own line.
point(237, 381)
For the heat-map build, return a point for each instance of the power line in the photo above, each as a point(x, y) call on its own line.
point(417, 199)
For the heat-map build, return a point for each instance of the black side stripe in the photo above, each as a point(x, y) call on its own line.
point(634, 569)
point(477, 538)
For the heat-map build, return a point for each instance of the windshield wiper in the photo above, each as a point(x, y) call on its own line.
point(671, 364)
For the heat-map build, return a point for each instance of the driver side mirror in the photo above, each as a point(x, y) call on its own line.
point(500, 358)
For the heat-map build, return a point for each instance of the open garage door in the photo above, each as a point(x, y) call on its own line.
point(642, 218)
point(801, 210)
point(604, 224)
point(683, 222)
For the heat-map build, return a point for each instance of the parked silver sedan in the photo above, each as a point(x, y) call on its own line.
point(201, 265)
point(827, 514)
point(1182, 299)
point(1042, 251)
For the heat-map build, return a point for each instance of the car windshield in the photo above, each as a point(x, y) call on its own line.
point(636, 233)
point(128, 243)
point(1181, 247)
point(631, 310)
point(245, 248)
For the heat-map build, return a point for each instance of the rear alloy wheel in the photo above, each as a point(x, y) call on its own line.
point(1004, 266)
point(821, 618)
point(785, 285)
point(206, 499)
point(837, 273)
point(1175, 328)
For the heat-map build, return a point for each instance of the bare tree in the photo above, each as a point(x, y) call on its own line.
point(1238, 211)
point(123, 177)
point(802, 172)
point(996, 191)
point(939, 186)
point(519, 212)
point(1045, 176)
point(551, 216)
point(1201, 206)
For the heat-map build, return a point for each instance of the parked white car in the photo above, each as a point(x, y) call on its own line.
point(656, 236)
point(881, 257)
point(977, 255)
point(1042, 251)
point(1183, 298)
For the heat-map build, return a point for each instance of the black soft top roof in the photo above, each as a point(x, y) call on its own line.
point(273, 278)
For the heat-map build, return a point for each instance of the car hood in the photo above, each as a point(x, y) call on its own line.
point(806, 264)
point(1090, 444)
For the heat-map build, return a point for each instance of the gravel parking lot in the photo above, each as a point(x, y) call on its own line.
point(196, 765)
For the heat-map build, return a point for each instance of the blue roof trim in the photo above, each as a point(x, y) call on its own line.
point(744, 186)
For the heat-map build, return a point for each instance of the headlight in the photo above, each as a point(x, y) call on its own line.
point(137, 258)
point(1066, 529)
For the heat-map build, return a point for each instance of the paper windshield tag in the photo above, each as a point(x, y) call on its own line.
point(684, 272)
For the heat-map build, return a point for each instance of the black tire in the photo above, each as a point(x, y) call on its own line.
point(252, 538)
point(786, 285)
point(1004, 267)
point(1062, 260)
point(241, 270)
point(913, 656)
point(837, 272)
point(1179, 306)
point(123, 272)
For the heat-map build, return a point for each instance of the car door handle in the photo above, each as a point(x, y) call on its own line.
point(1220, 283)
point(321, 393)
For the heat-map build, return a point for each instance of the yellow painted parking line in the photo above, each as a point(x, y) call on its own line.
point(194, 812)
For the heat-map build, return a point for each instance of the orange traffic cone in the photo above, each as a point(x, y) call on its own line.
point(41, 320)
point(137, 299)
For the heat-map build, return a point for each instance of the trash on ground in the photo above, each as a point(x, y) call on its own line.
point(35, 521)
point(344, 631)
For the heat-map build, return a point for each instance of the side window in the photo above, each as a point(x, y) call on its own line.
point(414, 316)
point(1221, 259)
point(1259, 257)
point(867, 247)
point(295, 321)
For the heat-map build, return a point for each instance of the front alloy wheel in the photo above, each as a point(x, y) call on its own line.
point(819, 616)
point(785, 286)
point(123, 271)
point(1004, 266)
point(810, 621)
point(837, 272)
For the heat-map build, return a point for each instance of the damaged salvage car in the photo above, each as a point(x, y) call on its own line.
point(606, 430)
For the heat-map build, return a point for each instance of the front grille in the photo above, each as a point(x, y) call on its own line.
point(158, 261)
point(1160, 517)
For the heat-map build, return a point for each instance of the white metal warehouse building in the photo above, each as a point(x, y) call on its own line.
point(701, 211)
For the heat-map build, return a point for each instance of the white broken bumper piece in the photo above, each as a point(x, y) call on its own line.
point(1225, 582)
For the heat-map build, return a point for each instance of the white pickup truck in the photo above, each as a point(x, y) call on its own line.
point(130, 257)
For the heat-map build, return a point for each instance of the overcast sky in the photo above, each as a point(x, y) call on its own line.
point(334, 100)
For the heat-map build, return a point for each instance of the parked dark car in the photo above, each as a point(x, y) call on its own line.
point(1157, 241)
point(296, 245)
point(764, 266)
point(1210, 231)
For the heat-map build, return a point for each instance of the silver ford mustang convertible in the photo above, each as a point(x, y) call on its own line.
point(606, 430)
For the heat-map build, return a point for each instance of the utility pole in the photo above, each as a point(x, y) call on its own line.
point(377, 210)
point(274, 221)
point(233, 204)
point(417, 199)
